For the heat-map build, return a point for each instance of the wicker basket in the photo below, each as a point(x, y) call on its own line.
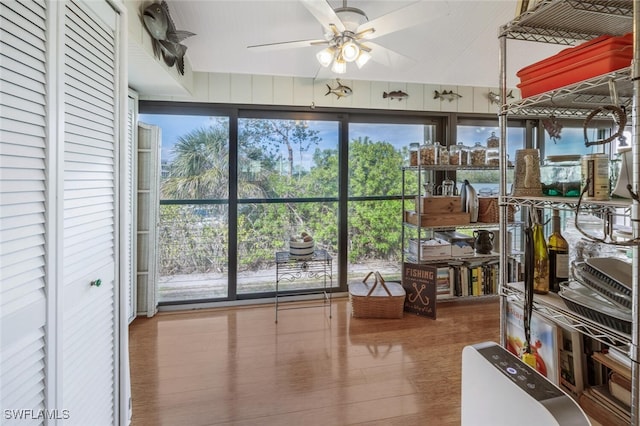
point(489, 212)
point(380, 300)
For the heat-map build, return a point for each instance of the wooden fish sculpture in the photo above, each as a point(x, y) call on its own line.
point(165, 38)
point(340, 90)
point(396, 94)
point(449, 95)
point(494, 98)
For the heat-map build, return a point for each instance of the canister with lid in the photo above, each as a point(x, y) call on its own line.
point(414, 149)
point(443, 155)
point(428, 154)
point(454, 154)
point(595, 176)
point(478, 155)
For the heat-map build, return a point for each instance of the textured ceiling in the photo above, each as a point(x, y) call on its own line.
point(459, 47)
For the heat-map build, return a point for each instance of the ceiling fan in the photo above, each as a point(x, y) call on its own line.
point(348, 33)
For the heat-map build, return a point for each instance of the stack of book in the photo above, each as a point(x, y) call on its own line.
point(609, 403)
point(468, 278)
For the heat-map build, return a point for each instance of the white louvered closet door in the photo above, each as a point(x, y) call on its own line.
point(22, 207)
point(89, 214)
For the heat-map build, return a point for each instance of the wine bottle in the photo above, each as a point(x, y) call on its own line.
point(558, 254)
point(540, 258)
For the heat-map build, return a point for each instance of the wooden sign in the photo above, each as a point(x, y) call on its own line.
point(419, 282)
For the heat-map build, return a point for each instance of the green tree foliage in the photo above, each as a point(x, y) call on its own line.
point(374, 226)
point(268, 136)
point(200, 168)
point(194, 237)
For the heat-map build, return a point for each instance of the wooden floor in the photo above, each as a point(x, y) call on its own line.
point(236, 366)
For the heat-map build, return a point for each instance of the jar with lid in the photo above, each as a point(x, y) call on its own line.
point(414, 147)
point(454, 154)
point(428, 154)
point(560, 175)
point(464, 154)
point(493, 150)
point(443, 156)
point(493, 141)
point(478, 155)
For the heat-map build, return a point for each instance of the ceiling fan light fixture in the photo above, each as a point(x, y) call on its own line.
point(325, 56)
point(350, 51)
point(363, 58)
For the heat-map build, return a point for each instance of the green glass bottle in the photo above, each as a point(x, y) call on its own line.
point(541, 258)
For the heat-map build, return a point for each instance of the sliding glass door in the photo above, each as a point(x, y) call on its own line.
point(377, 152)
point(287, 185)
point(194, 212)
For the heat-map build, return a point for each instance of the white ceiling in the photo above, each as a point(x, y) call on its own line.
point(459, 48)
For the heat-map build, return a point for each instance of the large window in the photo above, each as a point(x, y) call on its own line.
point(287, 185)
point(237, 184)
point(193, 216)
point(377, 152)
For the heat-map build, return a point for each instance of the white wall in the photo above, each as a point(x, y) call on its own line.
point(274, 90)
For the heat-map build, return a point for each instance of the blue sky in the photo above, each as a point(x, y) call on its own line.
point(572, 141)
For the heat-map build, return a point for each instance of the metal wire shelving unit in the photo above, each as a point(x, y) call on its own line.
point(568, 22)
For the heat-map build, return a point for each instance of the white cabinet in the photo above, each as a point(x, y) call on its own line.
point(63, 339)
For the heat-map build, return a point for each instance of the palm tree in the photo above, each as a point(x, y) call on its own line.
point(200, 168)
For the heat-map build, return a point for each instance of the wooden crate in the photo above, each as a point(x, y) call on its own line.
point(432, 220)
point(438, 205)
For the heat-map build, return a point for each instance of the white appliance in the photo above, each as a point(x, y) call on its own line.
point(499, 389)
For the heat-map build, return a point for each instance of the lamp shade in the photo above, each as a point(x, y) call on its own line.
point(325, 56)
point(350, 51)
point(339, 66)
point(363, 58)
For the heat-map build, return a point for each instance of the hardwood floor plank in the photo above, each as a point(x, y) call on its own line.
point(236, 366)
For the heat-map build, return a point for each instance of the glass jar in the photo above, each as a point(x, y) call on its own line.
point(454, 155)
point(493, 158)
point(443, 156)
point(493, 141)
point(428, 154)
point(414, 148)
point(478, 155)
point(464, 154)
point(560, 176)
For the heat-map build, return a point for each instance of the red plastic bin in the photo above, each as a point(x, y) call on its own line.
point(592, 58)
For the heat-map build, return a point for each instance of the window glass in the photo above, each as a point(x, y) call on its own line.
point(377, 153)
point(486, 182)
point(283, 165)
point(194, 189)
point(287, 158)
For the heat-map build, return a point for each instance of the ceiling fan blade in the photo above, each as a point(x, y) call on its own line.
point(324, 13)
point(388, 57)
point(287, 44)
point(414, 14)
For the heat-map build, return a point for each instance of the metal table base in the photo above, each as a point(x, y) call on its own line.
point(288, 268)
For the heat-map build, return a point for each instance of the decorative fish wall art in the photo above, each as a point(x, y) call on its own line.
point(340, 90)
point(396, 94)
point(494, 98)
point(165, 38)
point(446, 95)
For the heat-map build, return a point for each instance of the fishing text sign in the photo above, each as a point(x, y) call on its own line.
point(419, 281)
